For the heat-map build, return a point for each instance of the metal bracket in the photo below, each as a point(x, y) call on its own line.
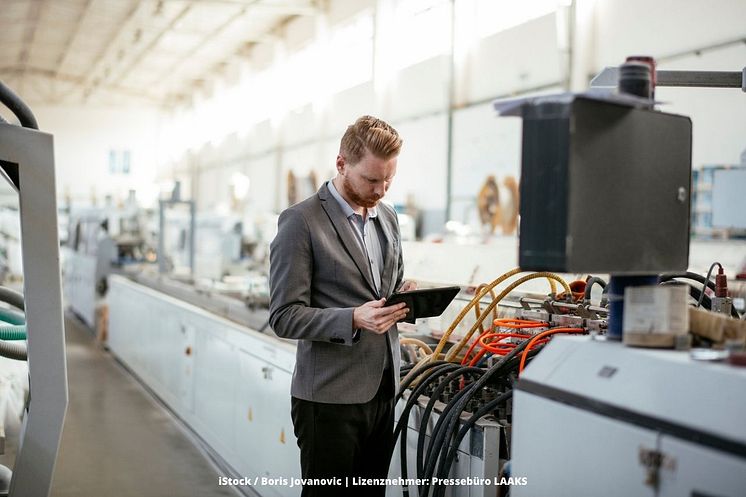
point(609, 77)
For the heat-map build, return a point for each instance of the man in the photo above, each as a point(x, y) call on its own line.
point(336, 258)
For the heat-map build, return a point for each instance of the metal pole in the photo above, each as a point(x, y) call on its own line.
point(451, 104)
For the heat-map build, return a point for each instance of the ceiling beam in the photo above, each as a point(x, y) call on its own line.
point(32, 24)
point(77, 81)
point(73, 37)
point(141, 55)
point(206, 39)
point(109, 45)
point(288, 8)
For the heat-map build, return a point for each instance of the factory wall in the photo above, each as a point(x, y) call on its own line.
point(534, 56)
point(85, 138)
point(544, 54)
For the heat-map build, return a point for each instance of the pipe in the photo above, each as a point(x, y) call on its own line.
point(12, 297)
point(18, 107)
point(12, 317)
point(14, 350)
point(12, 332)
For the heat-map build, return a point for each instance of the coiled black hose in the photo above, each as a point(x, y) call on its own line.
point(18, 107)
point(12, 297)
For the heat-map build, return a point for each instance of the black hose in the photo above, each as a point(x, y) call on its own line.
point(18, 107)
point(589, 286)
point(482, 411)
point(401, 426)
point(425, 416)
point(665, 277)
point(707, 278)
point(12, 297)
point(451, 414)
point(417, 373)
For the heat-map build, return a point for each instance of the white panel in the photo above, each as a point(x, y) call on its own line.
point(520, 58)
point(419, 89)
point(421, 170)
point(652, 382)
point(728, 200)
point(298, 126)
point(216, 362)
point(698, 470)
point(345, 107)
point(603, 453)
point(262, 171)
point(663, 27)
point(263, 137)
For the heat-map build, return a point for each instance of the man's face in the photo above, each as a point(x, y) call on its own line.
point(366, 182)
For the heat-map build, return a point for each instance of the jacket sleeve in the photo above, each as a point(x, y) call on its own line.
point(291, 267)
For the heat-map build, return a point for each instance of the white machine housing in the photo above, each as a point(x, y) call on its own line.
point(592, 417)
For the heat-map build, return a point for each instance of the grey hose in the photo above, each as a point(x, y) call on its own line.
point(12, 297)
point(14, 350)
point(17, 107)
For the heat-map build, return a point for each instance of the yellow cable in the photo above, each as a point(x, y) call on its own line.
point(478, 310)
point(457, 348)
point(419, 343)
point(472, 303)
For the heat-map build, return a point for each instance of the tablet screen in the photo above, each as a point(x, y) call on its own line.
point(425, 303)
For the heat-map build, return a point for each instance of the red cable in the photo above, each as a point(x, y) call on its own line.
point(540, 336)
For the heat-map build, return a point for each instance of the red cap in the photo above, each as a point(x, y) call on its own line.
point(721, 284)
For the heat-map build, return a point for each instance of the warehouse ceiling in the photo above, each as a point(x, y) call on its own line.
point(114, 51)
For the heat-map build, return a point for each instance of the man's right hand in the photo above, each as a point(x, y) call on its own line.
point(373, 316)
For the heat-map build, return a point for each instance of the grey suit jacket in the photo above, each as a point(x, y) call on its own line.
point(318, 274)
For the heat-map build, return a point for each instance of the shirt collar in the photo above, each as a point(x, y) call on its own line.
point(348, 211)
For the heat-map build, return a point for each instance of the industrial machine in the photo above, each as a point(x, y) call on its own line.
point(635, 421)
point(26, 161)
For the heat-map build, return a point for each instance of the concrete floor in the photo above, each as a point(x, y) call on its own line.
point(117, 440)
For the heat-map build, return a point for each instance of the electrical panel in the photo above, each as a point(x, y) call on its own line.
point(604, 187)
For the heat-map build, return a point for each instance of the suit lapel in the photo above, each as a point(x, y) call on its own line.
point(388, 244)
point(344, 230)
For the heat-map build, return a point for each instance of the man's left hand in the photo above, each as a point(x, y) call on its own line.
point(407, 286)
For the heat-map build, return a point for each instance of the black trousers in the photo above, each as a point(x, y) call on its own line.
point(345, 441)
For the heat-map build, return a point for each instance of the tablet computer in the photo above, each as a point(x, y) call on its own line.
point(424, 303)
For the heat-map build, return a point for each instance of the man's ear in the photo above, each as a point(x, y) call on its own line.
point(340, 164)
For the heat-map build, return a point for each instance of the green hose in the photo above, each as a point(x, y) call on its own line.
point(11, 316)
point(12, 332)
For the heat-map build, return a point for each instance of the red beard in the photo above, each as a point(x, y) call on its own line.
point(349, 190)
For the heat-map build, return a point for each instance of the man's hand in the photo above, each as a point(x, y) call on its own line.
point(407, 286)
point(373, 316)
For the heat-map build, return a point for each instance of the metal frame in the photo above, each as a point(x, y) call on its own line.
point(28, 161)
